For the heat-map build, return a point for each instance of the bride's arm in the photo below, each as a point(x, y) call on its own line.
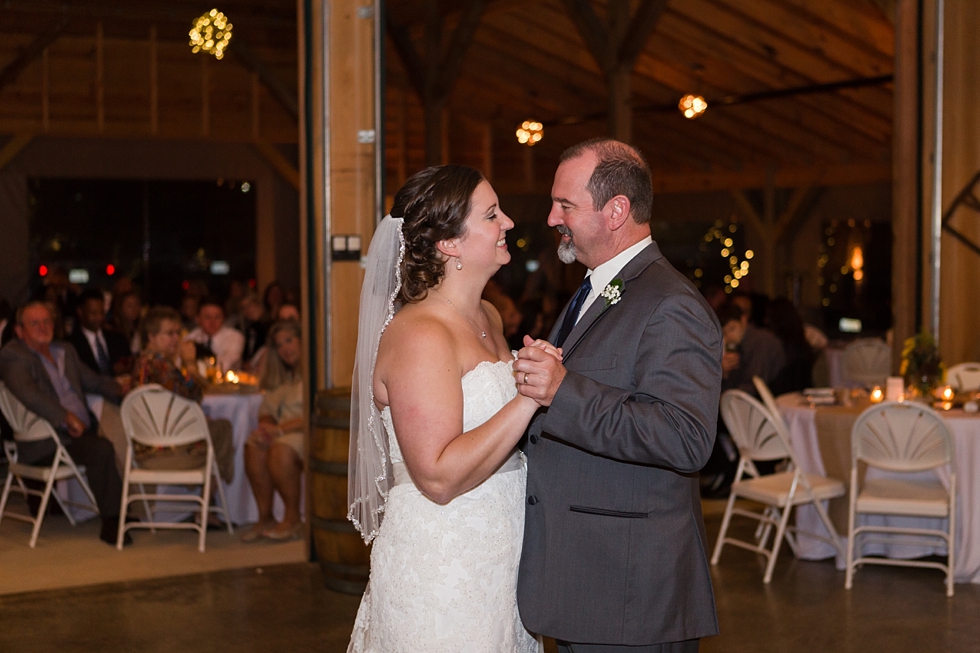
point(421, 375)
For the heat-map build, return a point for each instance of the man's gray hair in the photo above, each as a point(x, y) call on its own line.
point(620, 170)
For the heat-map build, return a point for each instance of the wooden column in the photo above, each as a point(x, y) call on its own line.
point(432, 72)
point(338, 172)
point(906, 206)
point(959, 322)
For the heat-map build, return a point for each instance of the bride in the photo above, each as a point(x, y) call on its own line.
point(450, 485)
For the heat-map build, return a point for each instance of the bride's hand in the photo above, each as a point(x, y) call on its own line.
point(543, 345)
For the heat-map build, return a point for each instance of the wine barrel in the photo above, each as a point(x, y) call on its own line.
point(343, 557)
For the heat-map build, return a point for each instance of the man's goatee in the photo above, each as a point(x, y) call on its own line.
point(566, 249)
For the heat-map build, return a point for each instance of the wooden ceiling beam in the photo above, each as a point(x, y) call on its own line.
point(31, 52)
point(851, 174)
point(851, 19)
point(870, 111)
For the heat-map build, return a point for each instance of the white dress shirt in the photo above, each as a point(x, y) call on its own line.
point(227, 345)
point(606, 272)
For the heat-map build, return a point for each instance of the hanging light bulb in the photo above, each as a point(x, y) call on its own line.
point(692, 106)
point(530, 132)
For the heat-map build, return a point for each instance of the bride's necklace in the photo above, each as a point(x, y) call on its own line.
point(483, 334)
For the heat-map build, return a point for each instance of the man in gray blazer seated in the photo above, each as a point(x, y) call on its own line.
point(614, 545)
point(50, 381)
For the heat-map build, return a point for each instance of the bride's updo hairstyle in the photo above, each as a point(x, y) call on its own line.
point(434, 204)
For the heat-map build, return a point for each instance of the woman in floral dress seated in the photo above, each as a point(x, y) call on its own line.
point(161, 362)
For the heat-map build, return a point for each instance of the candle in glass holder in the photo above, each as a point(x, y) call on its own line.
point(948, 393)
point(895, 388)
point(877, 394)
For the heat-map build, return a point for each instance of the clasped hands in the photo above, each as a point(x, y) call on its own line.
point(539, 370)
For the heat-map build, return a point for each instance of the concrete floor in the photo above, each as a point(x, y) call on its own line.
point(286, 608)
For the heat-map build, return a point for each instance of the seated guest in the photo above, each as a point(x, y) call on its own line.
point(48, 378)
point(216, 339)
point(160, 362)
point(124, 317)
point(104, 352)
point(253, 325)
point(274, 451)
point(749, 351)
point(287, 311)
point(786, 323)
point(188, 311)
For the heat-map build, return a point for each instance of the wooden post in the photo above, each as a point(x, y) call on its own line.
point(205, 95)
point(45, 90)
point(256, 99)
point(154, 83)
point(906, 201)
point(99, 78)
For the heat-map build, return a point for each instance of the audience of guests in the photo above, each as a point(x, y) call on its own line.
point(254, 326)
point(274, 452)
point(216, 339)
point(170, 362)
point(50, 380)
point(104, 352)
point(287, 311)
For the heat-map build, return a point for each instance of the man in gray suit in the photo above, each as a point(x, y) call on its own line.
point(614, 545)
point(49, 380)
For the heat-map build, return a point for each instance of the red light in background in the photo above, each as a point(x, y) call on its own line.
point(43, 270)
point(185, 285)
point(251, 283)
point(110, 269)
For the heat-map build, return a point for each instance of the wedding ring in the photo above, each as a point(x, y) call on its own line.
point(525, 378)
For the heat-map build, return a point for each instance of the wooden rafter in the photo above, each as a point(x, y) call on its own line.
point(13, 147)
point(286, 98)
point(433, 73)
point(31, 51)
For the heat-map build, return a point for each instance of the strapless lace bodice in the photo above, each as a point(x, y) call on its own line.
point(486, 388)
point(444, 577)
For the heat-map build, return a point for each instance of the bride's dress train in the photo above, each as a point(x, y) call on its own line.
point(444, 578)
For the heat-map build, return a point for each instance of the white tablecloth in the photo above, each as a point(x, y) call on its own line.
point(242, 410)
point(966, 435)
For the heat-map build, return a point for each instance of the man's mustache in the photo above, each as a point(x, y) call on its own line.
point(564, 231)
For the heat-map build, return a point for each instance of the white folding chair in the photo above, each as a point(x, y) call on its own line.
point(156, 417)
point(29, 427)
point(964, 376)
point(761, 436)
point(867, 362)
point(902, 437)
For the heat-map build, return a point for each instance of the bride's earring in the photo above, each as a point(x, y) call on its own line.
point(459, 264)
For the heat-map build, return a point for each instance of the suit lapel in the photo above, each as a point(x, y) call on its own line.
point(598, 309)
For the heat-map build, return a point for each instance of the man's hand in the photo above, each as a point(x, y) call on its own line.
point(74, 425)
point(188, 353)
point(539, 370)
point(730, 360)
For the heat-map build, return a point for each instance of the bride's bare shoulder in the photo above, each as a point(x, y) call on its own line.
point(416, 329)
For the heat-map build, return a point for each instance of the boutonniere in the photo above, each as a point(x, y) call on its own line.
point(612, 293)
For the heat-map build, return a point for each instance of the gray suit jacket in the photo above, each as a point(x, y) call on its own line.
point(614, 545)
point(24, 375)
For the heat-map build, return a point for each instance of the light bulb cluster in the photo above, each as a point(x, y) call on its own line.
point(738, 266)
point(530, 132)
point(211, 33)
point(692, 106)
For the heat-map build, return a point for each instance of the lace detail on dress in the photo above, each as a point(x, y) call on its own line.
point(444, 577)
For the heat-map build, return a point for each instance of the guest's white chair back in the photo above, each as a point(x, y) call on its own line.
point(867, 362)
point(29, 427)
point(759, 435)
point(964, 376)
point(155, 417)
point(901, 437)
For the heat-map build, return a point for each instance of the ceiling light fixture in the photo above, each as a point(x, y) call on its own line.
point(692, 106)
point(530, 132)
point(211, 33)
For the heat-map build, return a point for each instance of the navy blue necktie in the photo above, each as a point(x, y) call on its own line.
point(102, 356)
point(571, 316)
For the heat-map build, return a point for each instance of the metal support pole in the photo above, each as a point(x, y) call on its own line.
point(937, 177)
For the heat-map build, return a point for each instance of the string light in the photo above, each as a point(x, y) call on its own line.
point(530, 132)
point(692, 106)
point(738, 266)
point(211, 33)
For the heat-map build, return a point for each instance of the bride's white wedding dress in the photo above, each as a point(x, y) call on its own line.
point(444, 578)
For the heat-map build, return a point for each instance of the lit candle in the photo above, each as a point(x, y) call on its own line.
point(876, 394)
point(947, 405)
point(948, 394)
